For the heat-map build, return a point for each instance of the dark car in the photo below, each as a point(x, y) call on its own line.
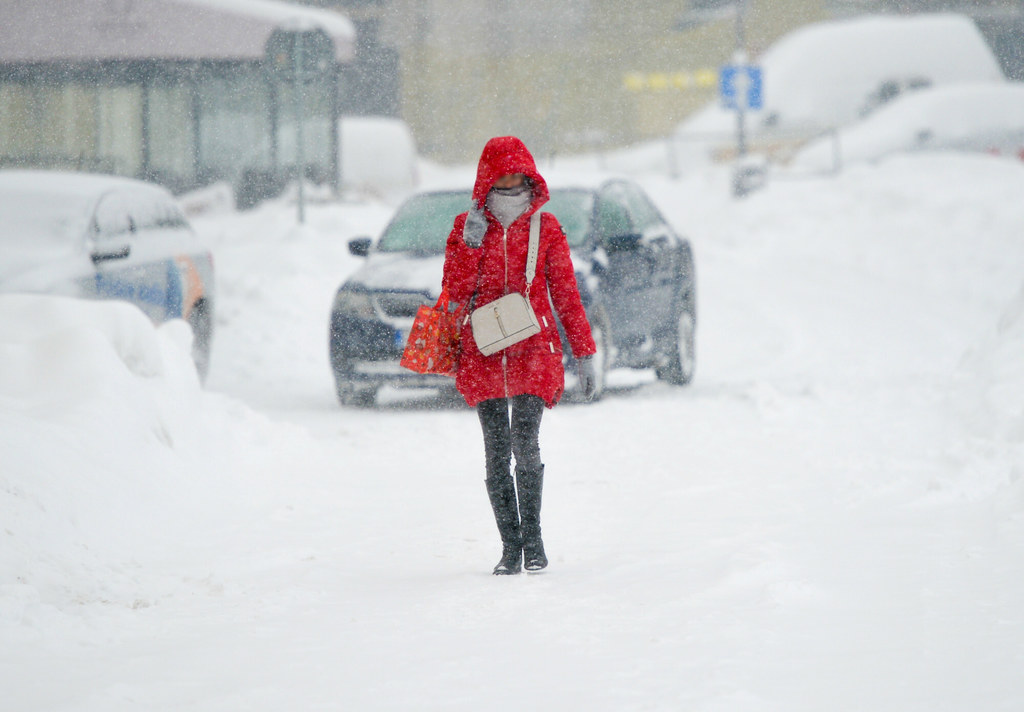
point(635, 274)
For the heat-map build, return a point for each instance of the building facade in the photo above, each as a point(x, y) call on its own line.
point(187, 91)
point(560, 74)
point(581, 75)
point(182, 92)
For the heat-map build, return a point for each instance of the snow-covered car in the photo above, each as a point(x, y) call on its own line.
point(635, 274)
point(985, 118)
point(105, 237)
point(378, 157)
point(826, 75)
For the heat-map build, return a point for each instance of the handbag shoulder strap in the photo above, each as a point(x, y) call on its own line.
point(532, 250)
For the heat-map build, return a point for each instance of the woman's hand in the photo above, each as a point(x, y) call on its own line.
point(588, 377)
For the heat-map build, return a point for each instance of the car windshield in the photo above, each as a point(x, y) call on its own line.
point(423, 222)
point(573, 209)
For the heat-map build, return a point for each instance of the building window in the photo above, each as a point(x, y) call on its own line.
point(171, 134)
point(234, 117)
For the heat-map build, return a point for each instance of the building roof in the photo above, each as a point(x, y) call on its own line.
point(40, 31)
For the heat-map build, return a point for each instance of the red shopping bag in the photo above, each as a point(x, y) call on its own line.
point(433, 345)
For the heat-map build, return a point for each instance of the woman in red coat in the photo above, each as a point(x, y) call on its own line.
point(485, 259)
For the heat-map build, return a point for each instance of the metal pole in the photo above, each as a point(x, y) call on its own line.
point(300, 138)
point(741, 89)
point(335, 137)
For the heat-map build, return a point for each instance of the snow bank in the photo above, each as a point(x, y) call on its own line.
point(112, 456)
point(215, 199)
point(978, 117)
point(876, 281)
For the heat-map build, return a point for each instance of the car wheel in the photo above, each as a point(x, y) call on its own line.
point(352, 395)
point(681, 351)
point(201, 321)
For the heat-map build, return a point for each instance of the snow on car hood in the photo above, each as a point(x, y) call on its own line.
point(400, 271)
point(408, 272)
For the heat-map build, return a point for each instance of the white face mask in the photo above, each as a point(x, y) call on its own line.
point(508, 206)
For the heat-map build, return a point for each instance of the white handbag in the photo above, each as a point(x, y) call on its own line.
point(510, 319)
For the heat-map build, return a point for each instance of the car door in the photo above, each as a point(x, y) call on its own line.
point(626, 279)
point(174, 261)
point(661, 247)
point(126, 268)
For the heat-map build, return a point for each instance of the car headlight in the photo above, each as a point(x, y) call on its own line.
point(356, 304)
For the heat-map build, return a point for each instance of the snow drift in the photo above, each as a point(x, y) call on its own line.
point(112, 455)
point(988, 403)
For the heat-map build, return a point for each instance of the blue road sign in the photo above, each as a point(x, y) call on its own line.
point(741, 87)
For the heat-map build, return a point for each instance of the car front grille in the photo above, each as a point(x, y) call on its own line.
point(401, 304)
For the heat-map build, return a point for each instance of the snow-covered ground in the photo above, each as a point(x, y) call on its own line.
point(830, 517)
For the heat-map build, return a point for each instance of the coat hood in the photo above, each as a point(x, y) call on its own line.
point(502, 156)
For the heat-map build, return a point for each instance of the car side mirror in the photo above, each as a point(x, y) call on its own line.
point(599, 261)
point(360, 246)
point(623, 243)
point(109, 255)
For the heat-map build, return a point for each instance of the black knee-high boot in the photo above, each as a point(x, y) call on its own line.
point(502, 493)
point(531, 484)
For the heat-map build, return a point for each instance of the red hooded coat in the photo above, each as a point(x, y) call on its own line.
point(498, 267)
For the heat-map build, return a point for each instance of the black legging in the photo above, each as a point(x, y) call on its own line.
point(503, 437)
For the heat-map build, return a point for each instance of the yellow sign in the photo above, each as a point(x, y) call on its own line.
point(666, 81)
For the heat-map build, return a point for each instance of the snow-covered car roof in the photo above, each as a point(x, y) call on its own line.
point(47, 214)
point(378, 156)
point(987, 116)
point(72, 184)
